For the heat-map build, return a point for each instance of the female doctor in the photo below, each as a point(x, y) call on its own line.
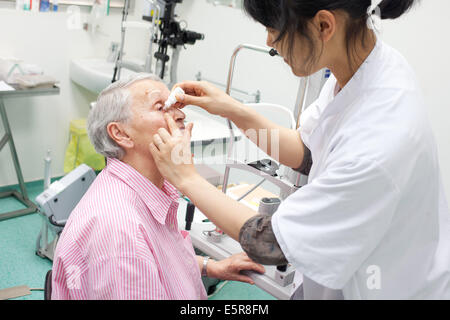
point(372, 222)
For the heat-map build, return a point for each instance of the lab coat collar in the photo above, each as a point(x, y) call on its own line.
point(311, 117)
point(354, 88)
point(330, 104)
point(158, 201)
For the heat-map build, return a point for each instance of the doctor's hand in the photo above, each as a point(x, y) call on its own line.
point(207, 97)
point(171, 151)
point(231, 267)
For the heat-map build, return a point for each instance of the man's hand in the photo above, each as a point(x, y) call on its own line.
point(230, 268)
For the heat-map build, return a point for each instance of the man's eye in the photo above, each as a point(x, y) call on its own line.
point(159, 107)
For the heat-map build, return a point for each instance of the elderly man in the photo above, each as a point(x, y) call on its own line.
point(122, 240)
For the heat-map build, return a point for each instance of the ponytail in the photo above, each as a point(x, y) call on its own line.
point(393, 9)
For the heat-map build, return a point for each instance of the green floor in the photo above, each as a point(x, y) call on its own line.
point(19, 265)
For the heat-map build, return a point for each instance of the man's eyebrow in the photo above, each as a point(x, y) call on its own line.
point(150, 93)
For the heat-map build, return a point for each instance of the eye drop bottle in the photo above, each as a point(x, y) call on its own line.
point(173, 97)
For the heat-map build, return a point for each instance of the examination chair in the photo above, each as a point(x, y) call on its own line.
point(57, 202)
point(48, 286)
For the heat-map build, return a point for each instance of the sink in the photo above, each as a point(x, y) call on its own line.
point(94, 74)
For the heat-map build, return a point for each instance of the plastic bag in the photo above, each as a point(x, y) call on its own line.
point(80, 150)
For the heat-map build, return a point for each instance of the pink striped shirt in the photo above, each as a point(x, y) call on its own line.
point(122, 242)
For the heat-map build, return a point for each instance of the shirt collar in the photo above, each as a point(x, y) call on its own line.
point(157, 200)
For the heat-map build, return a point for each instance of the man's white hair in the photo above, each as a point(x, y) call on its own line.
point(113, 105)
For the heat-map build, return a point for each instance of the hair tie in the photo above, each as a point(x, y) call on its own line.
point(374, 15)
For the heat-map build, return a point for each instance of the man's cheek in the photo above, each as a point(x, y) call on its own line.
point(163, 124)
point(157, 122)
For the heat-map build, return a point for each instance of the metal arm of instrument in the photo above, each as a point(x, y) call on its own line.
point(272, 52)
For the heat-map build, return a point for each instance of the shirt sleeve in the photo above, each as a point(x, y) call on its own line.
point(329, 227)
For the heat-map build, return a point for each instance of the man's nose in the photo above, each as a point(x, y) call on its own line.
point(177, 114)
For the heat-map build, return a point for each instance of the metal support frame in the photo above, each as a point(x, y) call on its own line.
point(284, 185)
point(152, 27)
point(256, 96)
point(44, 249)
point(21, 196)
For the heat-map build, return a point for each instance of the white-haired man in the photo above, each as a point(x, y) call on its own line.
point(122, 240)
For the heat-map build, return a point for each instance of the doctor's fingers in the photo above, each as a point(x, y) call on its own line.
point(195, 88)
point(155, 152)
point(157, 141)
point(163, 134)
point(162, 146)
point(174, 130)
point(198, 93)
point(201, 102)
point(186, 99)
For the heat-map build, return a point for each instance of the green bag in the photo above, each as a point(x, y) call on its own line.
point(80, 150)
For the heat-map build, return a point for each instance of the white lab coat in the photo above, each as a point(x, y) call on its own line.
point(372, 222)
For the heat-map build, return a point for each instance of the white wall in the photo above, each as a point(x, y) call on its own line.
point(226, 28)
point(42, 123)
point(422, 37)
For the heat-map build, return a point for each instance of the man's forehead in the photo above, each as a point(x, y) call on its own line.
point(149, 88)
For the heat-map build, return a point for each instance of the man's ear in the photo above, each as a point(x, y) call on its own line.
point(118, 133)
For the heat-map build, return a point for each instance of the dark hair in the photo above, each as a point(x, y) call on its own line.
point(290, 17)
point(393, 9)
